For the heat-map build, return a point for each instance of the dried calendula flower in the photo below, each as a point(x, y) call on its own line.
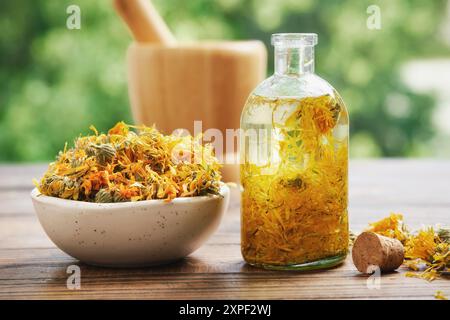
point(440, 295)
point(421, 246)
point(125, 165)
point(444, 233)
point(351, 237)
point(103, 196)
point(105, 153)
point(427, 251)
point(392, 227)
point(426, 248)
point(118, 197)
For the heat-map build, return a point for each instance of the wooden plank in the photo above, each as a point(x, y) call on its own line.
point(16, 176)
point(214, 271)
point(32, 267)
point(24, 231)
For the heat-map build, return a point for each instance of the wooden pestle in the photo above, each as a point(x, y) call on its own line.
point(145, 23)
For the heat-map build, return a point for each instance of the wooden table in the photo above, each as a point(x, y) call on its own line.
point(32, 267)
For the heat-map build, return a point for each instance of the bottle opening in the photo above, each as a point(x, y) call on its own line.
point(294, 53)
point(294, 40)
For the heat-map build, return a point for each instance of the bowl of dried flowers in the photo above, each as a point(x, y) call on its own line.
point(131, 198)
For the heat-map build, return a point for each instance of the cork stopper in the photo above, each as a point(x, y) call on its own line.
point(372, 250)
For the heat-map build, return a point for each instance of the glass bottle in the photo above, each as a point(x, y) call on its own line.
point(294, 164)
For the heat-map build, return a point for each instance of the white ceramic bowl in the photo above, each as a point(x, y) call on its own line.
point(130, 234)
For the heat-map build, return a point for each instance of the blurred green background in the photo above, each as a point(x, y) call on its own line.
point(55, 82)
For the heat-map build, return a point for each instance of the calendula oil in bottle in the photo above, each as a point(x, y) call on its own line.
point(294, 164)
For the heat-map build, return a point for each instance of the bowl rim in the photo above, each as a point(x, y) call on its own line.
point(43, 199)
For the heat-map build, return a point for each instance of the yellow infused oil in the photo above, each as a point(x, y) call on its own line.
point(294, 160)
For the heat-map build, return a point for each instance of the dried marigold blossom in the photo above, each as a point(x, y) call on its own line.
point(124, 165)
point(392, 227)
point(421, 246)
point(444, 233)
point(440, 295)
point(427, 251)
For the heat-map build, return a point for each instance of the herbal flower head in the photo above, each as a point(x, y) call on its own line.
point(124, 165)
point(427, 250)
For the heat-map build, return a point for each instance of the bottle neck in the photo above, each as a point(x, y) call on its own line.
point(294, 61)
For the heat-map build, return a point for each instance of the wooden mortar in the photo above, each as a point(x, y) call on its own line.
point(173, 84)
